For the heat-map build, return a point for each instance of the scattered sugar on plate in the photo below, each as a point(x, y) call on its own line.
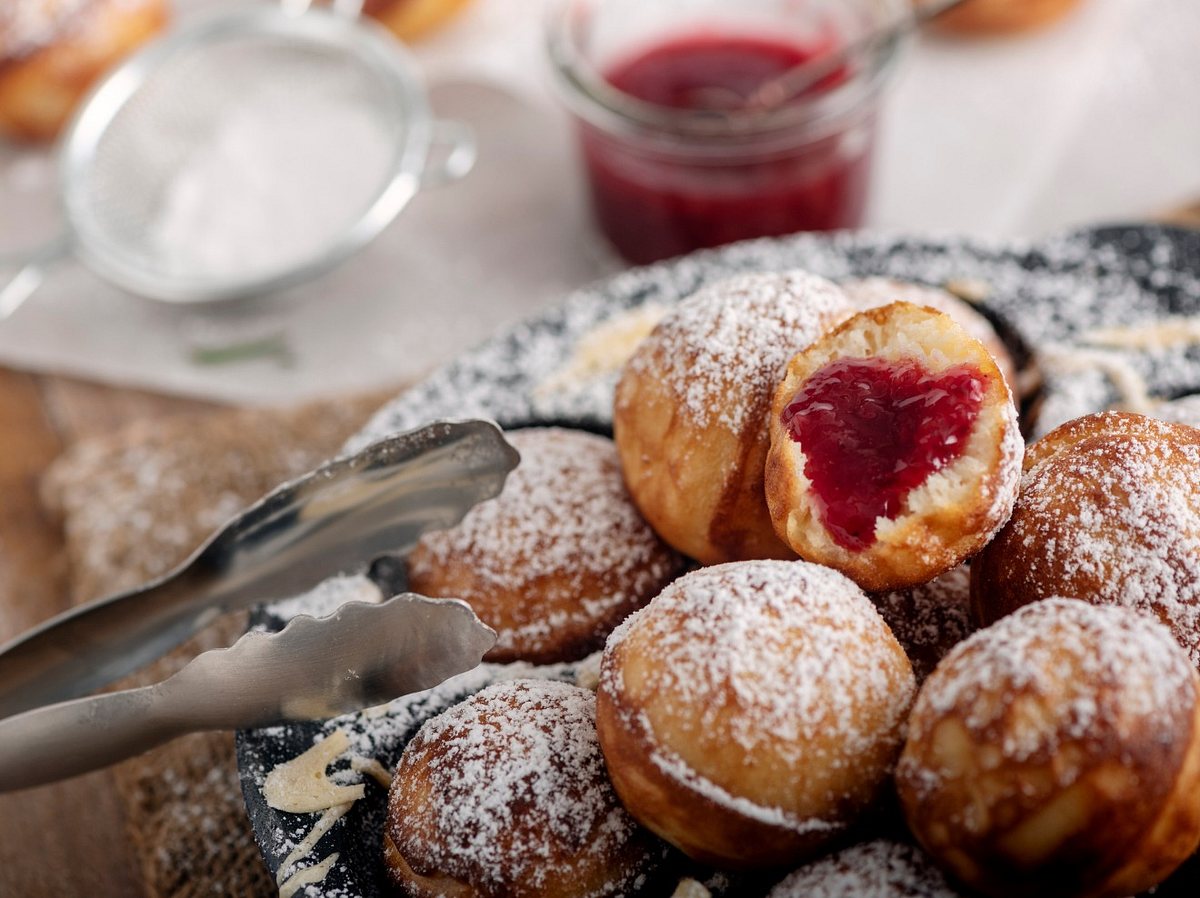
point(327, 597)
point(1046, 293)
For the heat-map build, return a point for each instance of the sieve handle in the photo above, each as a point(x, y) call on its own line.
point(452, 153)
point(31, 273)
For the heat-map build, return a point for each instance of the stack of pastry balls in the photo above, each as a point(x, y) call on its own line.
point(772, 554)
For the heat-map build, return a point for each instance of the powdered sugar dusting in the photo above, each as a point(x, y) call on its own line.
point(1116, 519)
point(378, 733)
point(596, 362)
point(562, 549)
point(1084, 381)
point(1089, 666)
point(503, 790)
point(1005, 481)
point(721, 351)
point(678, 769)
point(931, 619)
point(879, 869)
point(382, 732)
point(789, 657)
point(1050, 291)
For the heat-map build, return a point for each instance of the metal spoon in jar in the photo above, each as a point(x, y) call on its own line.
point(800, 79)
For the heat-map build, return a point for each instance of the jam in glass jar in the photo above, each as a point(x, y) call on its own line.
point(680, 146)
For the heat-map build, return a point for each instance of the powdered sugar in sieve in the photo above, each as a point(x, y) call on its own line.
point(247, 153)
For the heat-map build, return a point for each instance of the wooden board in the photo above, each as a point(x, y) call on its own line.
point(69, 838)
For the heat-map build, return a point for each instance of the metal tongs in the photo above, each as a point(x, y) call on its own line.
point(336, 519)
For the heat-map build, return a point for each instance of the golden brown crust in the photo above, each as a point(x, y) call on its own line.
point(1173, 837)
point(1057, 754)
point(752, 711)
point(697, 825)
point(1124, 425)
point(705, 501)
point(558, 559)
point(1004, 16)
point(412, 19)
point(411, 883)
point(506, 795)
point(1110, 513)
point(949, 517)
point(689, 411)
point(870, 293)
point(41, 83)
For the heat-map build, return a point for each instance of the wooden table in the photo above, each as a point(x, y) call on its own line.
point(69, 838)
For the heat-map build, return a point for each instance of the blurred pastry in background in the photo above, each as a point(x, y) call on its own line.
point(1003, 16)
point(411, 19)
point(52, 51)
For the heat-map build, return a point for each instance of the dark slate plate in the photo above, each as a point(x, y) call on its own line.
point(1045, 297)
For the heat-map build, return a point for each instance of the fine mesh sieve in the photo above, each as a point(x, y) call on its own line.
point(245, 154)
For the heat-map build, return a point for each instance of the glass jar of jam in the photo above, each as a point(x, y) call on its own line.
point(679, 147)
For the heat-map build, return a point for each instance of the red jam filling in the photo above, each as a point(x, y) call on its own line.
point(873, 430)
point(654, 203)
point(679, 73)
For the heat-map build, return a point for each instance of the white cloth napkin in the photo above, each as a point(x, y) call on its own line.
point(1093, 119)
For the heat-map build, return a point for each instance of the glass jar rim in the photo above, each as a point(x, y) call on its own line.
point(597, 101)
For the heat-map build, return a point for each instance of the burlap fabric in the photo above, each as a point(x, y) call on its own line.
point(132, 506)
